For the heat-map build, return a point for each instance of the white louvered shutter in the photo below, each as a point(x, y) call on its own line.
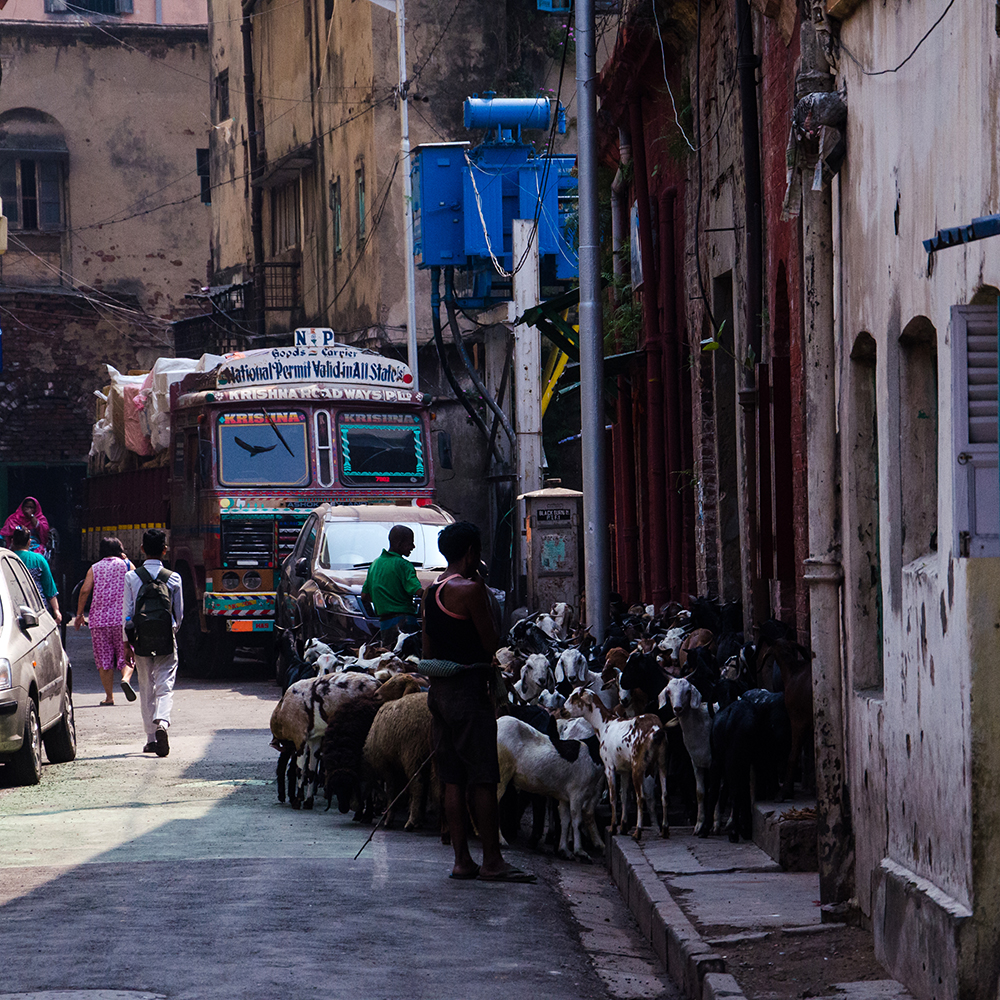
point(974, 419)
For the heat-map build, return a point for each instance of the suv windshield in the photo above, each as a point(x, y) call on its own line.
point(263, 448)
point(357, 544)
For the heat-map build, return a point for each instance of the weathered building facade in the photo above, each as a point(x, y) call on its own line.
point(101, 123)
point(308, 220)
point(916, 363)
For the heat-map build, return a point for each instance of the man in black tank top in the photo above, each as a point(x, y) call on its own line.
point(459, 626)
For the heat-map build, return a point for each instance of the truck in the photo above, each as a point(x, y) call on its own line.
point(247, 446)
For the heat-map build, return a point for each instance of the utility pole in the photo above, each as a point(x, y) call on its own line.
point(526, 372)
point(595, 538)
point(409, 268)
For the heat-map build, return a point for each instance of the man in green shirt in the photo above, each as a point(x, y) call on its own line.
point(38, 567)
point(392, 583)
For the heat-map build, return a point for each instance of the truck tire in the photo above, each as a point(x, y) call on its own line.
point(60, 741)
point(26, 766)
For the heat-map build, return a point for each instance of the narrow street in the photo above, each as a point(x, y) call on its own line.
point(184, 878)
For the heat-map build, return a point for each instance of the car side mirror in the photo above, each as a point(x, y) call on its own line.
point(27, 618)
point(302, 567)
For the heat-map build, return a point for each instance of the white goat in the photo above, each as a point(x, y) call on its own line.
point(696, 727)
point(562, 615)
point(541, 769)
point(536, 676)
point(636, 747)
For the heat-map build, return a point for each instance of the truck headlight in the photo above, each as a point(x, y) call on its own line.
point(6, 675)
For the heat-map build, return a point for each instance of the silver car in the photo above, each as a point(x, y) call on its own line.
point(36, 680)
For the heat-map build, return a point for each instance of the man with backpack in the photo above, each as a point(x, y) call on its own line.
point(154, 607)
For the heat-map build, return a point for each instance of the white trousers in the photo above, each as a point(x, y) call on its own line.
point(156, 690)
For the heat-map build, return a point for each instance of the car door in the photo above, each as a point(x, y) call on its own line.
point(19, 644)
point(47, 647)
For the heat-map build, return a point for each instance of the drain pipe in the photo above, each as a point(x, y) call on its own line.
point(653, 344)
point(626, 525)
point(747, 62)
point(256, 168)
point(823, 568)
point(672, 396)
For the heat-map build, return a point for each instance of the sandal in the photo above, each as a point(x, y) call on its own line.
point(105, 703)
point(464, 876)
point(128, 689)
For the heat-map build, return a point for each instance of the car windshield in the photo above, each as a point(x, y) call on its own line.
point(263, 448)
point(357, 544)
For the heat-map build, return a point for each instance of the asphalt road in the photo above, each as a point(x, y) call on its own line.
point(126, 876)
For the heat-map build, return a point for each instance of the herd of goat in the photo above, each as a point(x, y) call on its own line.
point(675, 700)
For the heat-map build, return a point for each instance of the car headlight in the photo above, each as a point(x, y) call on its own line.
point(339, 603)
point(6, 675)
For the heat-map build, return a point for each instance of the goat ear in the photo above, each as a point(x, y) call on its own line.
point(695, 698)
point(560, 675)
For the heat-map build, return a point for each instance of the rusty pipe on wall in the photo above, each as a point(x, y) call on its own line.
point(623, 441)
point(672, 395)
point(656, 550)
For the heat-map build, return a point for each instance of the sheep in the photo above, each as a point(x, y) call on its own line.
point(542, 769)
point(629, 746)
point(696, 726)
point(298, 723)
point(397, 750)
point(342, 749)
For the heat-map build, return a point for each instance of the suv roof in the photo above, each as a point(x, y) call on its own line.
point(400, 513)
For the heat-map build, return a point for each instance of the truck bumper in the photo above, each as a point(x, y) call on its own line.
point(241, 612)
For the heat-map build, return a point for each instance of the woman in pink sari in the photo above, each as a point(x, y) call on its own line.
point(106, 581)
point(29, 516)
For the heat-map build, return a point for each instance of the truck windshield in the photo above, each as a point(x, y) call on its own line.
point(382, 449)
point(263, 448)
point(357, 544)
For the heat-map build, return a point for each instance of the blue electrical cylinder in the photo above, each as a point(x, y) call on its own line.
point(507, 112)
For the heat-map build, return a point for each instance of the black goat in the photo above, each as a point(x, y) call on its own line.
point(752, 732)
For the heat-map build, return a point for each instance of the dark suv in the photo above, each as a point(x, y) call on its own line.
point(319, 591)
point(36, 680)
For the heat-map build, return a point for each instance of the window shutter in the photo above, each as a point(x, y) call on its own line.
point(123, 6)
point(974, 419)
point(55, 6)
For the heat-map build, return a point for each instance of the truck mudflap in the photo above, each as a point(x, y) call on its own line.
point(242, 612)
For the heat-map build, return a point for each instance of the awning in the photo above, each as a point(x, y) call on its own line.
point(287, 168)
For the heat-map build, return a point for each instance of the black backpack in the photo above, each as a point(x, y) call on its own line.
point(152, 629)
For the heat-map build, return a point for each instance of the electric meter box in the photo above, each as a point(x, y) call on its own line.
point(553, 518)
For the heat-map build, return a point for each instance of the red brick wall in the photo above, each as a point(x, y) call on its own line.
point(55, 346)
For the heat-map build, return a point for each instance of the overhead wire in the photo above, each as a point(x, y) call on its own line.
point(896, 69)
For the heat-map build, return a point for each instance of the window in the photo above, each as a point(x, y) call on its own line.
point(359, 182)
point(918, 438)
point(31, 193)
point(338, 232)
point(222, 96)
point(974, 419)
point(324, 449)
point(862, 556)
point(204, 174)
point(381, 450)
point(88, 6)
point(285, 224)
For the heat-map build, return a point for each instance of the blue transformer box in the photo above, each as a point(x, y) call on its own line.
point(465, 199)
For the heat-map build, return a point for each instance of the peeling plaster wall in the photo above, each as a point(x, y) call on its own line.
point(144, 11)
point(921, 154)
point(133, 115)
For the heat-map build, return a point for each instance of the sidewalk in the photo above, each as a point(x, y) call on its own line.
point(727, 922)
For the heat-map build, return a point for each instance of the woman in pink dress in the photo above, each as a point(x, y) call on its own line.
point(29, 516)
point(106, 580)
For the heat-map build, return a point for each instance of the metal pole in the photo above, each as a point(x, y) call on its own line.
point(404, 152)
point(595, 538)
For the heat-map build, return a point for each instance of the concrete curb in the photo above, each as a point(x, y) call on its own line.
point(691, 963)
